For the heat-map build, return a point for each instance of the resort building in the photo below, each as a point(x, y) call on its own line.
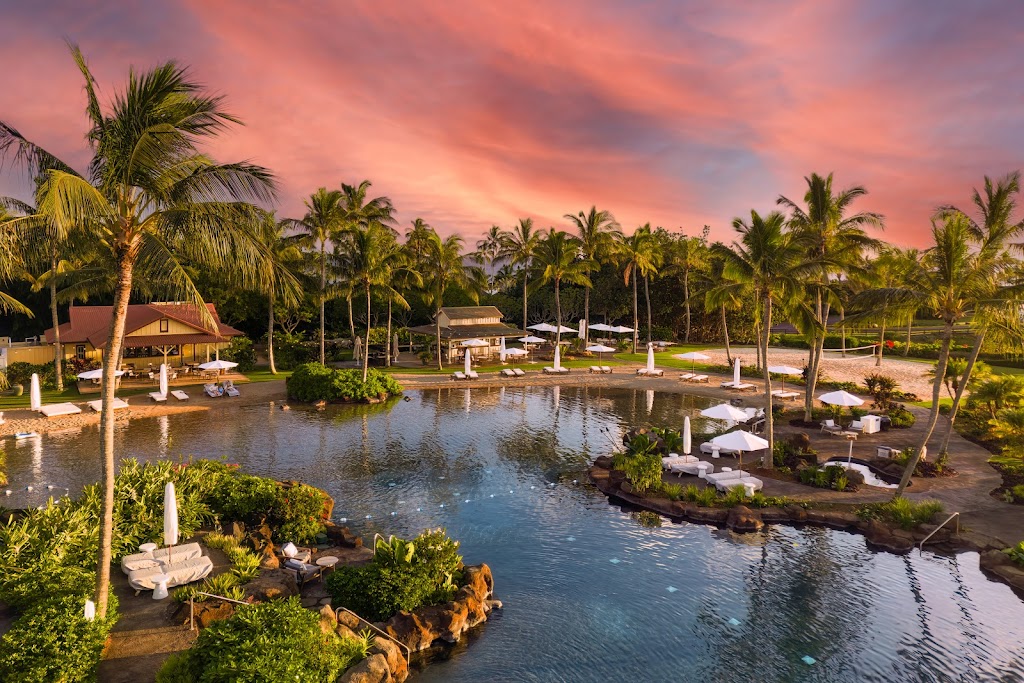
point(461, 323)
point(154, 333)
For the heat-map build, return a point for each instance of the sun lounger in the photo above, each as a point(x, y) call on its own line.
point(655, 373)
point(472, 374)
point(855, 426)
point(725, 481)
point(595, 370)
point(304, 573)
point(180, 573)
point(180, 395)
point(519, 373)
point(56, 410)
point(458, 375)
point(212, 390)
point(779, 393)
point(179, 553)
point(699, 378)
point(676, 459)
point(549, 371)
point(98, 405)
point(830, 426)
point(290, 552)
point(742, 386)
point(709, 449)
point(158, 397)
point(228, 387)
point(687, 376)
point(687, 464)
point(508, 373)
point(606, 369)
point(641, 371)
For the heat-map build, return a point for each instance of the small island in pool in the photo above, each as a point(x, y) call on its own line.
point(312, 383)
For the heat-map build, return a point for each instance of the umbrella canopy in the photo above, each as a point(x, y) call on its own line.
point(531, 340)
point(558, 358)
point(739, 440)
point(650, 358)
point(516, 352)
point(687, 438)
point(469, 361)
point(601, 327)
point(163, 379)
point(620, 329)
point(170, 515)
point(693, 357)
point(724, 411)
point(736, 373)
point(35, 393)
point(600, 348)
point(542, 327)
point(785, 370)
point(97, 374)
point(475, 342)
point(501, 349)
point(840, 398)
point(218, 365)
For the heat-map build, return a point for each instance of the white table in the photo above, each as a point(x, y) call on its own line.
point(702, 470)
point(748, 489)
point(148, 548)
point(160, 590)
point(327, 561)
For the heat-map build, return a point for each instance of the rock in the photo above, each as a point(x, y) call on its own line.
point(234, 529)
point(493, 604)
point(626, 487)
point(350, 620)
point(328, 621)
point(210, 611)
point(598, 474)
point(603, 462)
point(1011, 574)
point(260, 537)
point(616, 477)
point(480, 579)
point(990, 559)
point(342, 536)
point(272, 584)
point(796, 513)
point(268, 560)
point(877, 535)
point(394, 655)
point(346, 632)
point(709, 515)
point(774, 515)
point(743, 519)
point(373, 669)
point(409, 628)
point(679, 508)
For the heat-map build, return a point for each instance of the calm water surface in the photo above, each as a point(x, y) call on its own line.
point(589, 594)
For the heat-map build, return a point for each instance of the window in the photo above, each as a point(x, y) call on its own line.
point(165, 325)
point(80, 352)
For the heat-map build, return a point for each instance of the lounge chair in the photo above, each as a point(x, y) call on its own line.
point(98, 405)
point(472, 374)
point(641, 372)
point(855, 426)
point(56, 410)
point(595, 370)
point(655, 373)
point(212, 390)
point(742, 386)
point(606, 369)
point(180, 395)
point(831, 427)
point(289, 551)
point(726, 481)
point(229, 388)
point(779, 393)
point(700, 378)
point(157, 396)
point(304, 573)
point(180, 573)
point(458, 375)
point(708, 449)
point(549, 371)
point(687, 464)
point(519, 373)
point(508, 373)
point(687, 376)
point(179, 553)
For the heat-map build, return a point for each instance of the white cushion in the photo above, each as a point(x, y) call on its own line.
point(180, 573)
point(188, 551)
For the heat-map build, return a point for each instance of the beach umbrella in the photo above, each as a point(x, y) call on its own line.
point(840, 398)
point(163, 380)
point(736, 373)
point(357, 350)
point(724, 411)
point(687, 438)
point(619, 329)
point(600, 349)
point(170, 517)
point(583, 329)
point(600, 327)
point(532, 340)
point(218, 365)
point(650, 358)
point(514, 351)
point(693, 357)
point(558, 358)
point(739, 441)
point(542, 327)
point(97, 374)
point(784, 370)
point(35, 394)
point(501, 349)
point(469, 361)
point(475, 343)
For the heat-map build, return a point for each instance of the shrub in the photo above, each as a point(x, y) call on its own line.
point(901, 511)
point(295, 513)
point(830, 477)
point(402, 576)
point(646, 518)
point(673, 491)
point(1016, 553)
point(881, 387)
point(900, 417)
point(292, 350)
point(643, 472)
point(240, 351)
point(314, 382)
point(271, 641)
point(704, 497)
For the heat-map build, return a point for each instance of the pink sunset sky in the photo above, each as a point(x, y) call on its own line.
point(476, 113)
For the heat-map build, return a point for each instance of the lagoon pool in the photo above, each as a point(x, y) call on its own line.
point(590, 594)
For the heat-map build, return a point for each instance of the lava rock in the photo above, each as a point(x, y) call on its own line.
point(743, 519)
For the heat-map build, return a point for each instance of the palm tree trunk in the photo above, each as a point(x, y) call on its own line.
point(323, 301)
point(647, 296)
point(437, 330)
point(686, 300)
point(586, 316)
point(971, 360)
point(842, 318)
point(933, 415)
point(270, 334)
point(525, 281)
point(58, 354)
point(881, 345)
point(558, 315)
point(366, 347)
point(636, 315)
point(351, 318)
point(387, 342)
point(115, 341)
point(725, 334)
point(767, 459)
point(910, 324)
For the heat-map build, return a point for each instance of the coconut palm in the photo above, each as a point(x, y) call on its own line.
point(639, 256)
point(836, 242)
point(519, 248)
point(558, 261)
point(360, 212)
point(324, 222)
point(154, 201)
point(686, 256)
point(596, 232)
point(488, 249)
point(442, 268)
point(417, 240)
point(282, 285)
point(999, 392)
point(723, 295)
point(770, 262)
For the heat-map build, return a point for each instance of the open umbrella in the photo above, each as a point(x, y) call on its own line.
point(35, 394)
point(784, 370)
point(558, 358)
point(475, 343)
point(693, 357)
point(739, 441)
point(650, 359)
point(619, 329)
point(501, 349)
point(515, 352)
point(170, 518)
point(600, 327)
point(600, 349)
point(840, 398)
point(163, 380)
point(687, 438)
point(97, 374)
point(724, 411)
point(218, 365)
point(542, 327)
point(532, 340)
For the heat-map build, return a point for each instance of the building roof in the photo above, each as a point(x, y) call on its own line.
point(471, 312)
point(461, 332)
point(92, 324)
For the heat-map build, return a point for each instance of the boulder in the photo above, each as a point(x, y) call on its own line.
point(603, 462)
point(394, 655)
point(412, 630)
point(342, 536)
point(616, 477)
point(796, 513)
point(743, 519)
point(210, 611)
point(328, 621)
point(269, 560)
point(373, 669)
point(260, 537)
point(598, 474)
point(234, 529)
point(626, 487)
point(479, 579)
point(272, 584)
point(350, 620)
point(879, 536)
point(774, 515)
point(709, 515)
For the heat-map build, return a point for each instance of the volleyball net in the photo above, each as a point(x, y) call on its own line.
point(851, 353)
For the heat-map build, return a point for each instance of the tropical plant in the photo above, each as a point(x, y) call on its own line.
point(519, 248)
point(999, 392)
point(324, 222)
point(881, 387)
point(442, 267)
point(686, 256)
point(596, 232)
point(558, 261)
point(638, 254)
point(283, 281)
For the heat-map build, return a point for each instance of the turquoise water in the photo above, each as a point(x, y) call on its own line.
point(590, 595)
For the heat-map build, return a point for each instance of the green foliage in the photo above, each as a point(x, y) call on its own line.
point(1014, 494)
point(294, 513)
point(220, 541)
point(291, 350)
point(830, 477)
point(673, 491)
point(642, 444)
point(271, 641)
point(3, 467)
point(902, 512)
point(402, 576)
point(881, 387)
point(21, 372)
point(240, 351)
point(900, 417)
point(314, 382)
point(704, 497)
point(643, 472)
point(1016, 553)
point(245, 564)
point(646, 518)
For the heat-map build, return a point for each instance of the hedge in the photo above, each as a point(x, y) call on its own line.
point(314, 382)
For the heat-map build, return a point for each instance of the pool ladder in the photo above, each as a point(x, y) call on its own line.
point(955, 515)
point(385, 634)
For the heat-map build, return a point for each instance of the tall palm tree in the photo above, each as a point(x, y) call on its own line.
point(596, 232)
point(684, 257)
point(837, 243)
point(153, 200)
point(559, 260)
point(417, 240)
point(723, 295)
point(442, 268)
point(769, 261)
point(488, 249)
point(360, 212)
point(519, 249)
point(324, 222)
point(639, 258)
point(285, 256)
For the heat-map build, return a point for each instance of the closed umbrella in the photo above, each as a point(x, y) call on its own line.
point(693, 357)
point(170, 517)
point(163, 380)
point(687, 438)
point(357, 350)
point(558, 358)
point(736, 373)
point(724, 411)
point(394, 347)
point(469, 361)
point(784, 370)
point(583, 329)
point(35, 394)
point(650, 359)
point(501, 350)
point(650, 401)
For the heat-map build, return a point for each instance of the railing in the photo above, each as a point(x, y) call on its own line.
point(956, 515)
point(192, 606)
point(408, 652)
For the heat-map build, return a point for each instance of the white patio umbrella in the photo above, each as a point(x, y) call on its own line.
point(558, 358)
point(532, 340)
point(600, 349)
point(170, 517)
point(619, 329)
point(739, 441)
point(475, 343)
point(163, 380)
point(35, 394)
point(724, 411)
point(785, 370)
point(600, 327)
point(650, 358)
point(687, 438)
point(516, 352)
point(542, 327)
point(501, 349)
point(840, 398)
point(583, 329)
point(693, 357)
point(97, 374)
point(736, 373)
point(469, 362)
point(218, 365)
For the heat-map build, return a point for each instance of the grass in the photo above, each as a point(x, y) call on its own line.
point(69, 395)
point(526, 367)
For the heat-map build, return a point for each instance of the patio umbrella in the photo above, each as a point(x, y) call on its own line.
point(687, 438)
point(600, 327)
point(35, 394)
point(475, 343)
point(739, 441)
point(501, 349)
point(163, 380)
point(218, 365)
point(357, 350)
point(840, 398)
point(583, 329)
point(600, 349)
point(97, 374)
point(724, 411)
point(650, 358)
point(469, 361)
point(532, 340)
point(542, 327)
point(736, 373)
point(784, 370)
point(693, 357)
point(516, 352)
point(558, 357)
point(170, 517)
point(619, 329)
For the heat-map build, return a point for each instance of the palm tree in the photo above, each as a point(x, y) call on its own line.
point(723, 294)
point(286, 261)
point(153, 201)
point(836, 242)
point(558, 260)
point(999, 392)
point(596, 232)
point(360, 212)
point(685, 256)
point(519, 248)
point(488, 249)
point(324, 221)
point(770, 262)
point(638, 254)
point(443, 268)
point(417, 240)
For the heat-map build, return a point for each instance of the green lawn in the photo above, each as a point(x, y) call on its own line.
point(69, 395)
point(945, 401)
point(526, 367)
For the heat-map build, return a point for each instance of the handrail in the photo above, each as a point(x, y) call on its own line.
point(192, 606)
point(920, 547)
point(408, 652)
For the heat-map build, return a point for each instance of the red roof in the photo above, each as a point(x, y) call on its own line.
point(92, 324)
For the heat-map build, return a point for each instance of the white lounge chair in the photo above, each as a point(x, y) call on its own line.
point(595, 370)
point(725, 481)
point(229, 388)
point(157, 396)
point(472, 374)
point(779, 393)
point(180, 395)
point(830, 426)
point(98, 405)
point(641, 371)
point(180, 573)
point(519, 373)
point(2, 420)
point(213, 391)
point(179, 553)
point(687, 376)
point(742, 386)
point(655, 373)
point(508, 373)
point(458, 375)
point(549, 371)
point(700, 378)
point(606, 369)
point(56, 410)
point(304, 573)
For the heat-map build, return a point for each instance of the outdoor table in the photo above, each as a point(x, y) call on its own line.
point(148, 548)
point(871, 424)
point(849, 436)
point(160, 590)
point(748, 489)
point(702, 470)
point(327, 561)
